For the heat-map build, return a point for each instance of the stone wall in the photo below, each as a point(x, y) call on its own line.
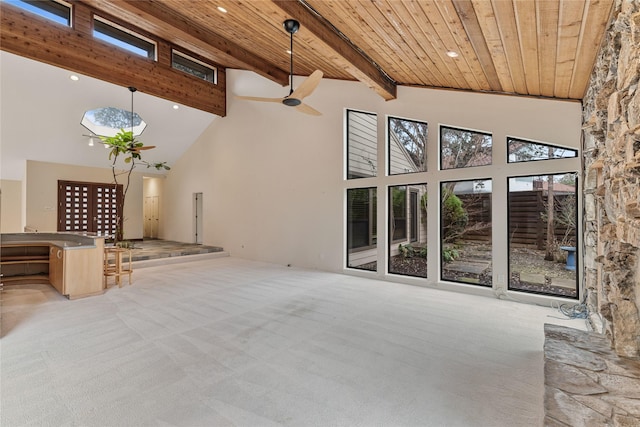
point(611, 122)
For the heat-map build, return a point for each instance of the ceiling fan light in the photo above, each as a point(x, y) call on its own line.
point(291, 102)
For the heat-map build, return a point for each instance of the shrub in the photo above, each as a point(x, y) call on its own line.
point(454, 216)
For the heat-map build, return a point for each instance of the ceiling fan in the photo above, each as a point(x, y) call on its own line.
point(295, 97)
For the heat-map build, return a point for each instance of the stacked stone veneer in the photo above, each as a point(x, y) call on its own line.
point(611, 122)
point(586, 383)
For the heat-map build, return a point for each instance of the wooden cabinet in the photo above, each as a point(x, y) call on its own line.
point(22, 263)
point(56, 268)
point(82, 275)
point(73, 271)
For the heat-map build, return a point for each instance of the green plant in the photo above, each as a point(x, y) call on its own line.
point(450, 254)
point(454, 216)
point(407, 250)
point(125, 145)
point(125, 244)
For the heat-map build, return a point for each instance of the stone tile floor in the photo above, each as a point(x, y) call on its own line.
point(156, 249)
point(586, 383)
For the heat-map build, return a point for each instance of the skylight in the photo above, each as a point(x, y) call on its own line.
point(107, 121)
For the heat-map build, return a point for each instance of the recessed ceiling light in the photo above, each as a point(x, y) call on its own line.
point(222, 9)
point(176, 106)
point(74, 77)
point(288, 52)
point(452, 54)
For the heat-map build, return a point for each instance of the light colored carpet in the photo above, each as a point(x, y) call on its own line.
point(229, 342)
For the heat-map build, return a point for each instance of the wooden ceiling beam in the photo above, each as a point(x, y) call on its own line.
point(472, 27)
point(75, 49)
point(172, 26)
point(341, 51)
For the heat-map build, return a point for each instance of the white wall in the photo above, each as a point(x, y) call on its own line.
point(11, 206)
point(42, 194)
point(272, 177)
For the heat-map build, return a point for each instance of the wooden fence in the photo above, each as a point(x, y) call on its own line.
point(527, 218)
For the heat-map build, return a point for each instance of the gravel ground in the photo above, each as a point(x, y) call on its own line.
point(523, 260)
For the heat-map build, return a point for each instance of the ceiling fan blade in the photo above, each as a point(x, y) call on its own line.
point(148, 147)
point(257, 98)
point(307, 86)
point(304, 108)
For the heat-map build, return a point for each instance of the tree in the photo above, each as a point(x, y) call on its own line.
point(454, 216)
point(116, 118)
point(461, 148)
point(413, 137)
point(125, 145)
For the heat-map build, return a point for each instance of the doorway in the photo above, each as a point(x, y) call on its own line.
point(89, 207)
point(197, 203)
point(151, 217)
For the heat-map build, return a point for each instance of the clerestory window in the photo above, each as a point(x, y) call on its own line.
point(189, 65)
point(123, 38)
point(56, 11)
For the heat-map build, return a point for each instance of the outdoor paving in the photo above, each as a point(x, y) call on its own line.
point(555, 281)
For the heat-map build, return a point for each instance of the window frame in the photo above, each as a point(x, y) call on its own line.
point(441, 127)
point(577, 237)
point(46, 9)
point(195, 63)
point(373, 163)
point(124, 35)
point(402, 147)
point(543, 144)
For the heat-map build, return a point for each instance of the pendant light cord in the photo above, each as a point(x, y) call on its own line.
point(132, 89)
point(291, 66)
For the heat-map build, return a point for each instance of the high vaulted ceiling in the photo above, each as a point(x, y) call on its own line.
point(522, 47)
point(525, 47)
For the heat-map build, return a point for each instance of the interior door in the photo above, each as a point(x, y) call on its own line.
point(89, 207)
point(151, 217)
point(197, 202)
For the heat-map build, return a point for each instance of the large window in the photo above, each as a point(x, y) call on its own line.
point(543, 234)
point(407, 146)
point(407, 230)
point(521, 184)
point(465, 219)
point(56, 11)
point(362, 144)
point(361, 228)
point(461, 148)
point(123, 38)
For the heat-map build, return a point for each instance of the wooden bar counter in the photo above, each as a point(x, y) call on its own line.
point(70, 262)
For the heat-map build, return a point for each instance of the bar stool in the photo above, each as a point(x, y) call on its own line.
point(114, 265)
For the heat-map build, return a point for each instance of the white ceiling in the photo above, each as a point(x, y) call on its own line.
point(41, 109)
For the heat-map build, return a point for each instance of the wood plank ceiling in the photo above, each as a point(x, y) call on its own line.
point(524, 47)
